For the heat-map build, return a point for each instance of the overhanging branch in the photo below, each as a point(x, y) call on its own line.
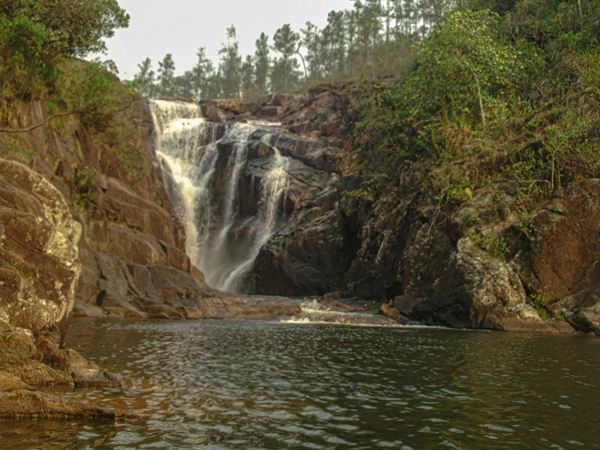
point(37, 125)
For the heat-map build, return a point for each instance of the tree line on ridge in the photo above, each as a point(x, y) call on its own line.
point(374, 38)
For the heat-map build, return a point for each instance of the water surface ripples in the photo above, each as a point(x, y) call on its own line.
point(255, 385)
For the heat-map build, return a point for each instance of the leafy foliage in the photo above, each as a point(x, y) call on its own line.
point(37, 35)
point(492, 99)
point(85, 181)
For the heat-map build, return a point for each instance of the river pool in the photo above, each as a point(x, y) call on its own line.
point(272, 385)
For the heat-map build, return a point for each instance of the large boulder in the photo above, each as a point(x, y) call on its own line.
point(39, 272)
point(39, 258)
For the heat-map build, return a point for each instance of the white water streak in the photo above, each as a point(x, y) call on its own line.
point(273, 187)
point(187, 148)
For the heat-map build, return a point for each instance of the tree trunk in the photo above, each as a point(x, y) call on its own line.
point(387, 23)
point(483, 122)
point(303, 63)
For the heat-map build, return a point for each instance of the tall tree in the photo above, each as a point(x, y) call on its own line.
point(200, 74)
point(410, 16)
point(230, 66)
point(166, 76)
point(144, 79)
point(337, 45)
point(248, 79)
point(368, 26)
point(262, 63)
point(312, 42)
point(183, 85)
point(352, 54)
point(286, 42)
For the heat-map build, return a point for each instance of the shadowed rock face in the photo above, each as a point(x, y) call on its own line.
point(406, 251)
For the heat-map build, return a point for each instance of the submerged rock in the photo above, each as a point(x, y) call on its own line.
point(28, 404)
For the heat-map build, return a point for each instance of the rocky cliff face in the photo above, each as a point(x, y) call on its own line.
point(475, 265)
point(39, 275)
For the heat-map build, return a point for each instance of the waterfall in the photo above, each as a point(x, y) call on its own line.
point(203, 164)
point(273, 186)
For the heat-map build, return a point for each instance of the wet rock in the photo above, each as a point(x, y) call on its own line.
point(561, 326)
point(308, 256)
point(222, 307)
point(9, 383)
point(231, 106)
point(83, 309)
point(28, 404)
point(392, 312)
point(83, 372)
point(268, 112)
point(121, 308)
point(211, 111)
point(331, 296)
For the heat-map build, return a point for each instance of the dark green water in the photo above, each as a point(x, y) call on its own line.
point(254, 385)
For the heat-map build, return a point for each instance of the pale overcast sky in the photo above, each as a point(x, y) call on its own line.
point(180, 27)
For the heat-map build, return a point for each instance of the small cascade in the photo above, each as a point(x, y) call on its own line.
point(203, 165)
point(315, 311)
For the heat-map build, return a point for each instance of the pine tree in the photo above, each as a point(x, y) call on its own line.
point(262, 63)
point(352, 54)
point(230, 66)
point(248, 80)
point(286, 42)
point(312, 42)
point(200, 74)
point(166, 76)
point(336, 23)
point(143, 81)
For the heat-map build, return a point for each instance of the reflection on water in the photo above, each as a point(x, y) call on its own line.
point(253, 385)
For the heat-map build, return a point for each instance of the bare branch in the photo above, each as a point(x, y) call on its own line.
point(33, 127)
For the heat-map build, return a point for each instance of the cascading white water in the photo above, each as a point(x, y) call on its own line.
point(273, 186)
point(188, 151)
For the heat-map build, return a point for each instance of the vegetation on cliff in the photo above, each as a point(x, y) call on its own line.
point(40, 46)
point(36, 37)
point(492, 137)
point(510, 97)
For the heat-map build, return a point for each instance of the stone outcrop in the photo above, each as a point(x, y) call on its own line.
point(471, 266)
point(38, 249)
point(39, 274)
